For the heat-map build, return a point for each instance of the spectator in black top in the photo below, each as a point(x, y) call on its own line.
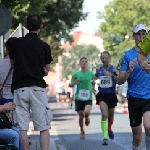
point(31, 58)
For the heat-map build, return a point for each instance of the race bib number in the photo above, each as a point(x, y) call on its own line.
point(84, 94)
point(105, 82)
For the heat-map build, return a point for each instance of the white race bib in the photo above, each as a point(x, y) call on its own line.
point(105, 81)
point(84, 94)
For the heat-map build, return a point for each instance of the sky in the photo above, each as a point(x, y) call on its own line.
point(91, 24)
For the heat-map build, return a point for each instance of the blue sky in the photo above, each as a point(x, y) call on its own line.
point(91, 24)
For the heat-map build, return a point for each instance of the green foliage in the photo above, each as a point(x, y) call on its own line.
point(59, 18)
point(119, 19)
point(55, 50)
point(70, 63)
point(20, 9)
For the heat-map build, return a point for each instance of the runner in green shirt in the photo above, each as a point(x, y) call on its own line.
point(83, 96)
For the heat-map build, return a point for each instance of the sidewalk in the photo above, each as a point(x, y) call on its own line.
point(34, 135)
point(34, 138)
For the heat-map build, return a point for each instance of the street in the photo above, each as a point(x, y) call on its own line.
point(65, 122)
point(65, 130)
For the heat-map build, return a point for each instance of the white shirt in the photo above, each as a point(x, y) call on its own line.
point(58, 86)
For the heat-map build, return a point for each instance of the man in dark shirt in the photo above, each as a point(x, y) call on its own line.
point(31, 57)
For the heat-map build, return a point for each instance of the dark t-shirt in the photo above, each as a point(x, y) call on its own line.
point(30, 55)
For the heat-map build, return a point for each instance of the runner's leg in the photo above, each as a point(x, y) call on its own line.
point(87, 111)
point(137, 138)
point(146, 123)
point(104, 122)
point(110, 122)
point(81, 117)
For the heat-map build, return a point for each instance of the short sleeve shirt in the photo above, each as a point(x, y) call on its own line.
point(30, 55)
point(139, 80)
point(84, 88)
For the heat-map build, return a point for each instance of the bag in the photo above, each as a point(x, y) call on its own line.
point(5, 146)
point(4, 122)
point(8, 147)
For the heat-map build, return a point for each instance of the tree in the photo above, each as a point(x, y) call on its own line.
point(119, 19)
point(20, 9)
point(55, 50)
point(59, 18)
point(70, 63)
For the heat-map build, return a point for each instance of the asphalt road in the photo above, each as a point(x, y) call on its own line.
point(65, 130)
point(65, 123)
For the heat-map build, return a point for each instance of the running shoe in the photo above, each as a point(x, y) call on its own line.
point(111, 134)
point(82, 135)
point(105, 142)
point(87, 121)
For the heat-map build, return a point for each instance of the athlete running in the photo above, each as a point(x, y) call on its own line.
point(106, 98)
point(83, 96)
point(138, 93)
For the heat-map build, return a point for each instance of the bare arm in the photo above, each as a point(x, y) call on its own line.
point(96, 73)
point(71, 84)
point(114, 75)
point(93, 86)
point(72, 93)
point(122, 77)
point(2, 108)
point(46, 69)
point(75, 82)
